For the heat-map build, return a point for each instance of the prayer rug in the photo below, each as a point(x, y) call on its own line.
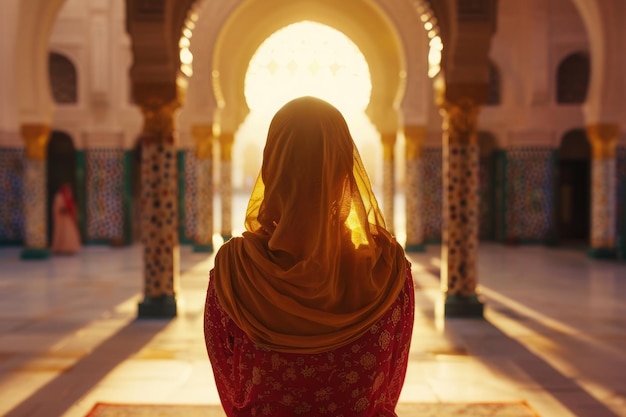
point(403, 410)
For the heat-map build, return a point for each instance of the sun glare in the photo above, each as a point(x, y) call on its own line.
point(305, 58)
point(308, 58)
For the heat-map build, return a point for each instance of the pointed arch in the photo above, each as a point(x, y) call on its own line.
point(63, 78)
point(572, 78)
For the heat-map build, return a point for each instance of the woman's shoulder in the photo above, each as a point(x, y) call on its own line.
point(247, 241)
point(231, 250)
point(228, 246)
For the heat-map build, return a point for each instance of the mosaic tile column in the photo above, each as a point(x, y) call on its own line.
point(603, 138)
point(432, 182)
point(159, 211)
point(34, 201)
point(226, 184)
point(460, 209)
point(389, 181)
point(414, 186)
point(203, 136)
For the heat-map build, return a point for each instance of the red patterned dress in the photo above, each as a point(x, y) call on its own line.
point(363, 378)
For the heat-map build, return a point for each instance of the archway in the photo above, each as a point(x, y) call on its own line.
point(61, 166)
point(573, 79)
point(574, 188)
point(305, 58)
point(244, 32)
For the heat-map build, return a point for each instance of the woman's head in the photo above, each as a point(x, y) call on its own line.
point(306, 162)
point(312, 181)
point(317, 259)
point(308, 145)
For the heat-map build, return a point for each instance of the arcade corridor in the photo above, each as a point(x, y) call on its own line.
point(553, 336)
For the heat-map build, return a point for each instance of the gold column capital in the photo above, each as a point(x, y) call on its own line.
point(226, 146)
point(36, 137)
point(461, 120)
point(159, 117)
point(158, 102)
point(603, 138)
point(414, 136)
point(203, 136)
point(389, 141)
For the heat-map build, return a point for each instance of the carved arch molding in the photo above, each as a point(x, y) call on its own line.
point(465, 27)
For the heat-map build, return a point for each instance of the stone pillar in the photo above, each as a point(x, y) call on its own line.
point(389, 182)
point(226, 183)
point(203, 239)
point(460, 208)
point(159, 209)
point(603, 138)
point(414, 190)
point(34, 200)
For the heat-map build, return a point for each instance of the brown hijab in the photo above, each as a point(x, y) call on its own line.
point(316, 267)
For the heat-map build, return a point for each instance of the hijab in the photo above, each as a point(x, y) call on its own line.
point(316, 267)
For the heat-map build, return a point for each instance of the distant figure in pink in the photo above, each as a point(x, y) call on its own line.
point(65, 235)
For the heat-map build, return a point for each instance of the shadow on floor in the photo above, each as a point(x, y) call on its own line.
point(57, 396)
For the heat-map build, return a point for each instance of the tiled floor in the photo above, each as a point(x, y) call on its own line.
point(554, 334)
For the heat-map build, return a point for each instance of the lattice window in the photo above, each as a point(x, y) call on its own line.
point(63, 79)
point(573, 79)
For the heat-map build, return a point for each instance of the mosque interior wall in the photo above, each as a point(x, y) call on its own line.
point(518, 193)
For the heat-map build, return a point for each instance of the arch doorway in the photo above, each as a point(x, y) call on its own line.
point(332, 68)
point(62, 167)
point(574, 188)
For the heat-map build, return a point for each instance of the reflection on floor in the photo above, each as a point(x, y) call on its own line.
point(436, 409)
point(554, 335)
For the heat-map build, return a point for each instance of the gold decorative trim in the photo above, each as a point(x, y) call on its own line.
point(414, 140)
point(461, 121)
point(389, 141)
point(603, 138)
point(159, 119)
point(203, 136)
point(36, 138)
point(159, 102)
point(226, 146)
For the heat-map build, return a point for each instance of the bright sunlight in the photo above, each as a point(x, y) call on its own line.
point(305, 58)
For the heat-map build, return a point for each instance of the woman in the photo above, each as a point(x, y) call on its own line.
point(65, 235)
point(310, 312)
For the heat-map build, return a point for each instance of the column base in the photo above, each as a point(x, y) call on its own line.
point(34, 254)
point(461, 306)
point(602, 253)
point(415, 247)
point(163, 307)
point(203, 248)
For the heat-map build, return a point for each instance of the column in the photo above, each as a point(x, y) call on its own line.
point(226, 187)
point(460, 208)
point(35, 195)
point(159, 209)
point(389, 182)
point(414, 139)
point(603, 138)
point(203, 239)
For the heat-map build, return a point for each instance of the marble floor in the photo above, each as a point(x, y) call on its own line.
point(554, 334)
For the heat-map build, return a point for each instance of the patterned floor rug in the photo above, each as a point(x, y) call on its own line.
point(403, 410)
